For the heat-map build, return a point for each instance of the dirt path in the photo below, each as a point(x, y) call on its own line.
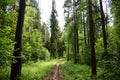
point(55, 73)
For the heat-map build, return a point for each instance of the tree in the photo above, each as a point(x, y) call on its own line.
point(103, 25)
point(54, 31)
point(76, 45)
point(67, 10)
point(70, 11)
point(92, 43)
point(116, 14)
point(67, 33)
point(75, 33)
point(17, 60)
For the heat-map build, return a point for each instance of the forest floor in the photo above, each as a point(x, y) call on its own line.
point(55, 73)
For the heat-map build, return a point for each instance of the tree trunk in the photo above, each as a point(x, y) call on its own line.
point(77, 40)
point(91, 26)
point(103, 25)
point(16, 60)
point(68, 53)
point(75, 34)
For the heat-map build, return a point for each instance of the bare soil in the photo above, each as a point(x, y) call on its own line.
point(55, 73)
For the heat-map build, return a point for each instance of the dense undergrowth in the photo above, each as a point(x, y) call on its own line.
point(79, 72)
point(75, 72)
point(30, 71)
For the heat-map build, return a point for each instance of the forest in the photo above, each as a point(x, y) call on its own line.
point(87, 48)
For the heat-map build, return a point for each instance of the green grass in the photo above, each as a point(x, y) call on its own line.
point(83, 72)
point(37, 70)
point(79, 71)
point(4, 73)
point(31, 71)
point(75, 72)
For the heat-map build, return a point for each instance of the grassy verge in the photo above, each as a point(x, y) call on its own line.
point(31, 71)
point(75, 72)
point(78, 71)
point(37, 70)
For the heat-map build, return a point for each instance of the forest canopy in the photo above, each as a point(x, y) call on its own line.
point(90, 39)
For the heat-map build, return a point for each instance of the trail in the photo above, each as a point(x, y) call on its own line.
point(55, 73)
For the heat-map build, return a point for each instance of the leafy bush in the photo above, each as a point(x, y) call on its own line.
point(4, 73)
point(6, 46)
point(45, 54)
point(85, 55)
point(110, 64)
point(99, 48)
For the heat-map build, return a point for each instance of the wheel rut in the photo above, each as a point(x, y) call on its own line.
point(55, 73)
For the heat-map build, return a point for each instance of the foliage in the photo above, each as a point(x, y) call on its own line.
point(116, 14)
point(32, 37)
point(110, 63)
point(75, 71)
point(5, 72)
point(6, 46)
point(36, 70)
point(37, 43)
point(85, 55)
point(67, 37)
point(30, 71)
point(7, 30)
point(55, 31)
point(82, 72)
point(99, 49)
point(33, 40)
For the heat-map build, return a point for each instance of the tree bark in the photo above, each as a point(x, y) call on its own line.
point(91, 26)
point(68, 53)
point(16, 60)
point(103, 25)
point(75, 34)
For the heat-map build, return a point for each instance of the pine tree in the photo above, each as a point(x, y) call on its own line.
point(76, 45)
point(92, 42)
point(54, 31)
